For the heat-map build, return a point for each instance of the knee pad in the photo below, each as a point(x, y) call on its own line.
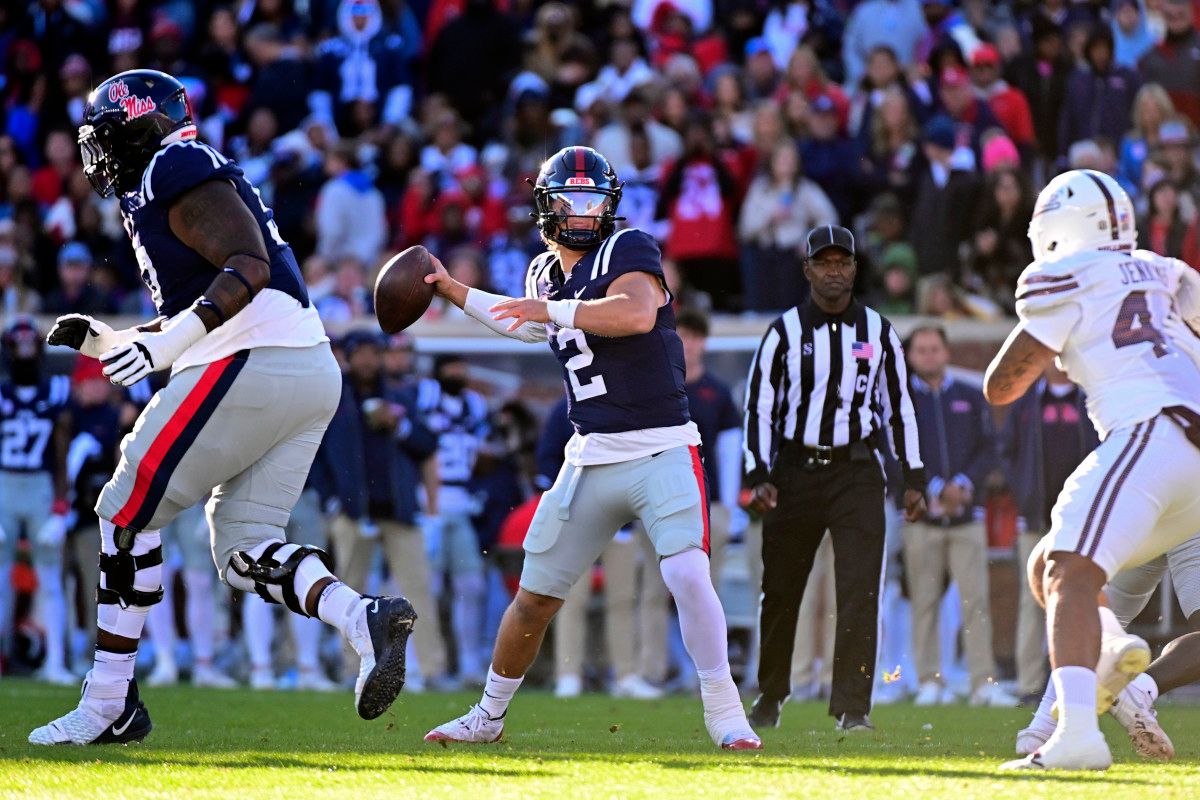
point(130, 578)
point(275, 568)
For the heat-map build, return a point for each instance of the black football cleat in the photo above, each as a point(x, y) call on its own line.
point(380, 636)
point(83, 725)
point(854, 723)
point(765, 712)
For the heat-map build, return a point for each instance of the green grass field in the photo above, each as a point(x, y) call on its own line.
point(243, 744)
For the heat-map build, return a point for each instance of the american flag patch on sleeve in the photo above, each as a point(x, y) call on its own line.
point(862, 350)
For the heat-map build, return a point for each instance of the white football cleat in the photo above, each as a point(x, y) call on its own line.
point(57, 676)
point(209, 677)
point(990, 694)
point(165, 673)
point(1088, 751)
point(262, 679)
point(1135, 711)
point(930, 693)
point(1036, 734)
point(635, 687)
point(105, 715)
point(568, 686)
point(1122, 658)
point(313, 680)
point(473, 727)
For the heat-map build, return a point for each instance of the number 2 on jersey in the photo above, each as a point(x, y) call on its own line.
point(1135, 325)
point(582, 391)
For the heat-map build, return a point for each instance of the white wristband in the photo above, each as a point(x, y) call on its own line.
point(562, 312)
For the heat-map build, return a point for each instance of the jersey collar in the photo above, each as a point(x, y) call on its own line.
point(848, 316)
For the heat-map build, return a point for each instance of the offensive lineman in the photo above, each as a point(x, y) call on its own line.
point(1109, 313)
point(599, 298)
point(253, 387)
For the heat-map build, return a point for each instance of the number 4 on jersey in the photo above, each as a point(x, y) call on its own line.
point(1135, 325)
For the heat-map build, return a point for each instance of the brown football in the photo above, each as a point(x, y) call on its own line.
point(401, 293)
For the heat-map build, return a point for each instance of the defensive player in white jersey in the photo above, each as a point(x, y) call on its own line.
point(599, 298)
point(1179, 664)
point(1109, 313)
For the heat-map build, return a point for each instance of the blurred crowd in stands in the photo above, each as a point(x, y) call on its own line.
point(371, 125)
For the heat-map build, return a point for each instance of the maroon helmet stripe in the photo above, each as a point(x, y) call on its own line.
point(579, 167)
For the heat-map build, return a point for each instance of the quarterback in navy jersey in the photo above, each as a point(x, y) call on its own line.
point(599, 298)
point(253, 387)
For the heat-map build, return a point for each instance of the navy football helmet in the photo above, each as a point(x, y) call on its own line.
point(576, 182)
point(21, 348)
point(126, 119)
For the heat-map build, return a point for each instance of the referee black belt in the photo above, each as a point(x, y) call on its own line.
point(822, 456)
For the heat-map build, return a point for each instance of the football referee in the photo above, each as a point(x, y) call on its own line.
point(827, 377)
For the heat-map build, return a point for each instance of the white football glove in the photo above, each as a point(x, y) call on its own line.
point(53, 531)
point(88, 335)
point(128, 363)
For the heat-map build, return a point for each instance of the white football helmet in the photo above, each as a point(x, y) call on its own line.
point(1081, 210)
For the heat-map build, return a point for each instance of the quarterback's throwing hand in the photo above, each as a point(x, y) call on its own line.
point(520, 311)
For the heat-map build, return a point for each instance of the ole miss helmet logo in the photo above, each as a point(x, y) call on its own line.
point(575, 181)
point(132, 105)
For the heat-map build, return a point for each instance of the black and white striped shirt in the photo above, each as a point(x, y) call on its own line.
point(829, 381)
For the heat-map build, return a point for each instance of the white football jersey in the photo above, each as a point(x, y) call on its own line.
point(1113, 319)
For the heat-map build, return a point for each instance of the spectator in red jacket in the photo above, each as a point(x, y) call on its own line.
point(1007, 102)
point(699, 198)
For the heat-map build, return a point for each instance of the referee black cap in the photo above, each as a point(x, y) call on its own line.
point(825, 236)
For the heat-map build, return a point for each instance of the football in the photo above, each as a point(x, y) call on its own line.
point(401, 293)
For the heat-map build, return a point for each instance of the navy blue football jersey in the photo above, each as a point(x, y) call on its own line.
point(623, 383)
point(27, 419)
point(175, 274)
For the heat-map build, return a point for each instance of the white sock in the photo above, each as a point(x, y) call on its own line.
point(1076, 690)
point(701, 618)
point(258, 630)
point(160, 619)
point(1146, 684)
point(199, 612)
point(107, 685)
point(723, 711)
point(467, 621)
point(336, 604)
point(110, 668)
point(498, 693)
point(1045, 709)
point(306, 633)
point(1109, 624)
point(52, 607)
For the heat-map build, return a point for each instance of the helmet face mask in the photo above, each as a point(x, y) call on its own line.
point(128, 118)
point(576, 197)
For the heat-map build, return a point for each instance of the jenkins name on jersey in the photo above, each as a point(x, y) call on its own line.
point(1112, 313)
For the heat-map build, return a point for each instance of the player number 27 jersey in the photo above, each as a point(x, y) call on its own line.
point(1114, 321)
